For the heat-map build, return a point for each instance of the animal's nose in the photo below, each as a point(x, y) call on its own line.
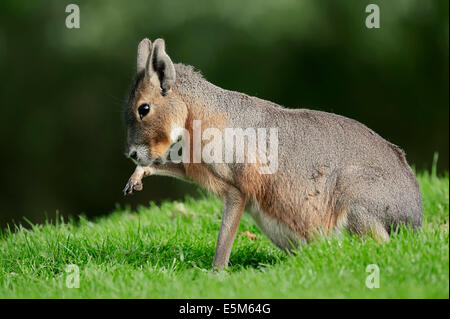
point(133, 155)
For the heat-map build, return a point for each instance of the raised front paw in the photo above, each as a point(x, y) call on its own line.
point(133, 185)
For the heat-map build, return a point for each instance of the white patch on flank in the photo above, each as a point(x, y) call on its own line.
point(276, 231)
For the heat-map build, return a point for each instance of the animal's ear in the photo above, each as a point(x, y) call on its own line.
point(144, 50)
point(161, 65)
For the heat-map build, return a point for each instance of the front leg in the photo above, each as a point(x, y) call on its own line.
point(169, 169)
point(233, 206)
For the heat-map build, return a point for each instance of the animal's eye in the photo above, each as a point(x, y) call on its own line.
point(143, 110)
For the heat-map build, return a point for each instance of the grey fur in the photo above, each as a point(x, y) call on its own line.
point(366, 169)
point(338, 162)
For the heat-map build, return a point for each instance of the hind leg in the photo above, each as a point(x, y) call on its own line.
point(359, 221)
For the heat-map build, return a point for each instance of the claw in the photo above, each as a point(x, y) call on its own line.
point(125, 190)
point(135, 181)
point(132, 186)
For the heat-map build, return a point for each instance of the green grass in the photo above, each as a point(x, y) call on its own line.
point(166, 252)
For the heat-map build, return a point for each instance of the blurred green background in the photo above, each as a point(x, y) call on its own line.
point(62, 90)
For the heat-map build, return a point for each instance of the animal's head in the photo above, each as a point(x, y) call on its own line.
point(153, 109)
